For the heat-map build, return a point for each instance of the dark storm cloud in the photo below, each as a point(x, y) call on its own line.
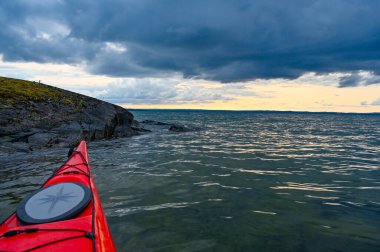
point(226, 40)
point(351, 80)
point(358, 79)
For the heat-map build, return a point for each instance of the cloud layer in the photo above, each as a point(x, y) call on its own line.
point(227, 41)
point(169, 91)
point(359, 79)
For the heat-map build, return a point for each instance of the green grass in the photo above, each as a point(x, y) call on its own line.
point(15, 90)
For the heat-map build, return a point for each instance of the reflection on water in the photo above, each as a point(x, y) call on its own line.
point(246, 182)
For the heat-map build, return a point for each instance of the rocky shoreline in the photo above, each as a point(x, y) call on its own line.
point(35, 116)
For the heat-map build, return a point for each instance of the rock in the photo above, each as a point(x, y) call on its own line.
point(143, 130)
point(178, 128)
point(155, 126)
point(38, 115)
point(152, 122)
point(138, 127)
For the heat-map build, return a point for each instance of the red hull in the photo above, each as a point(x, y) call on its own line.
point(88, 231)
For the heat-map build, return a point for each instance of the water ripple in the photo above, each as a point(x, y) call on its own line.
point(245, 179)
point(133, 210)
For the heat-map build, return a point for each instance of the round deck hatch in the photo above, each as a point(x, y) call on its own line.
point(57, 202)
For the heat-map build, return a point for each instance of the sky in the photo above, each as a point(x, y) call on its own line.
point(300, 55)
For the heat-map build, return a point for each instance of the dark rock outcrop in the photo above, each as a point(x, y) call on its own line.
point(178, 128)
point(157, 126)
point(152, 122)
point(35, 115)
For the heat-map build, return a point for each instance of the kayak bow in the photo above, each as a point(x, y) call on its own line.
point(65, 214)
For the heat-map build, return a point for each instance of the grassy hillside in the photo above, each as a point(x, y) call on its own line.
point(15, 90)
point(34, 115)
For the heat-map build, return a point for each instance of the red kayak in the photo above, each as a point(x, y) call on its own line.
point(65, 214)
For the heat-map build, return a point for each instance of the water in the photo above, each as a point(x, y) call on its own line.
point(246, 182)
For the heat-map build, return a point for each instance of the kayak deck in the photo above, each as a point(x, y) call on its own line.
point(88, 231)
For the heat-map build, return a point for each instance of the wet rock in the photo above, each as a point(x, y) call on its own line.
point(156, 126)
point(142, 130)
point(152, 122)
point(178, 128)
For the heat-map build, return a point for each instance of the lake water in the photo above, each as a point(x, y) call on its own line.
point(247, 181)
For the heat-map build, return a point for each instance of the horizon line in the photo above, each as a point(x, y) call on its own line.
point(262, 111)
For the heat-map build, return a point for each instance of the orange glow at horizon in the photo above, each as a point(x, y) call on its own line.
point(285, 97)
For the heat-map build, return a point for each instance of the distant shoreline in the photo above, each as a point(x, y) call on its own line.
point(258, 111)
